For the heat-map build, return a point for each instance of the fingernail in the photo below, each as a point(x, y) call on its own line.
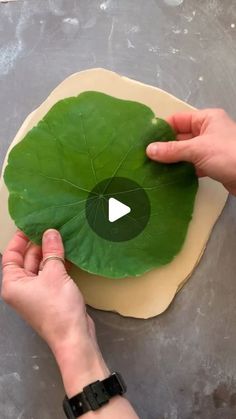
point(51, 234)
point(152, 149)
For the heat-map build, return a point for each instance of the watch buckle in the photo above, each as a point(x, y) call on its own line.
point(96, 395)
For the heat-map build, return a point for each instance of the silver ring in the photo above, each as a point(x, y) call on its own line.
point(52, 257)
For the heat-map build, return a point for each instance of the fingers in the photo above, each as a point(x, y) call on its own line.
point(53, 247)
point(190, 123)
point(188, 127)
point(21, 256)
point(196, 122)
point(181, 122)
point(13, 257)
point(52, 244)
point(33, 257)
point(174, 151)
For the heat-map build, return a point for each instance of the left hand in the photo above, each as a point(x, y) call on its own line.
point(52, 304)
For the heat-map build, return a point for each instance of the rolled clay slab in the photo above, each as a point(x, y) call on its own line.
point(150, 294)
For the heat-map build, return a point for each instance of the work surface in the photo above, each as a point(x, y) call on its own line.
point(181, 365)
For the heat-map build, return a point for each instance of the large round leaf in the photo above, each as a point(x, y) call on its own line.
point(80, 142)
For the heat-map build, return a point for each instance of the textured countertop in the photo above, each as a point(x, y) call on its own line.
point(181, 365)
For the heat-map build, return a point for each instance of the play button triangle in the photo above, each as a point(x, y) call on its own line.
point(117, 210)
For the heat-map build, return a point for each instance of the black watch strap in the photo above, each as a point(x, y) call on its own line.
point(94, 396)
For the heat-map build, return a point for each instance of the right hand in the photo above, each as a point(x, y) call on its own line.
point(206, 138)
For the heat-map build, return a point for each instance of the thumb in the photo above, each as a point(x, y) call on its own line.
point(173, 151)
point(52, 246)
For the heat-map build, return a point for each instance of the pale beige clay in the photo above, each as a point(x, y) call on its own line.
point(150, 294)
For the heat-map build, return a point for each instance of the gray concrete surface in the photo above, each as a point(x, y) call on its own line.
point(181, 365)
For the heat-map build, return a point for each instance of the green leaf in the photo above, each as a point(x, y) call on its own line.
point(80, 142)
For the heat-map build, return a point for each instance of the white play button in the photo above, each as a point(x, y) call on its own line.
point(116, 210)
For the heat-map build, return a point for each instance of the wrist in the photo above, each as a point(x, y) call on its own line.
point(80, 364)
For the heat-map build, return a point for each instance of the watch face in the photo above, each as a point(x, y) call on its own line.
point(67, 410)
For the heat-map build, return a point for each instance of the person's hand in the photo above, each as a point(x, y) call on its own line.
point(36, 284)
point(52, 304)
point(206, 138)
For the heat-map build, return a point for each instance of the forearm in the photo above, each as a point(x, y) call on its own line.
point(80, 368)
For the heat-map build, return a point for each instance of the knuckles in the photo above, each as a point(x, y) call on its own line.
point(217, 113)
point(220, 112)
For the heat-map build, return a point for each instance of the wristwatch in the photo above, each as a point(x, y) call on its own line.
point(94, 396)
